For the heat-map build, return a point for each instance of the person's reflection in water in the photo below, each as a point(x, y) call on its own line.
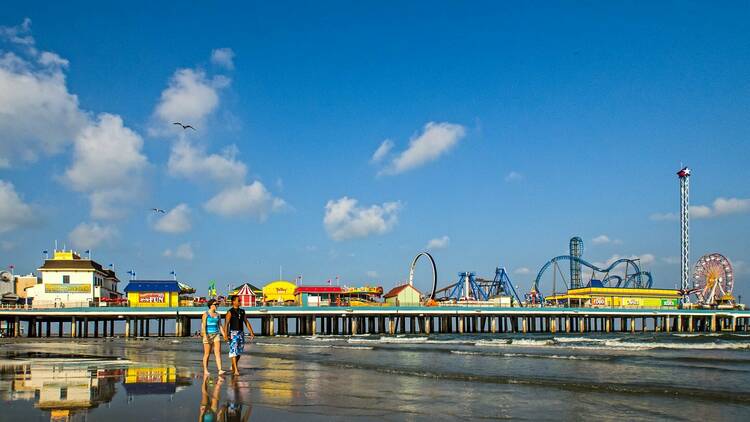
point(237, 407)
point(210, 405)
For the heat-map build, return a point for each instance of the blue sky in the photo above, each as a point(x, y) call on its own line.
point(511, 127)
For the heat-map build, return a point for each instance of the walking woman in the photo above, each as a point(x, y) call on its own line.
point(211, 327)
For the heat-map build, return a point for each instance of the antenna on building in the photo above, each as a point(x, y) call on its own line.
point(55, 245)
point(88, 253)
point(280, 273)
point(174, 275)
point(46, 254)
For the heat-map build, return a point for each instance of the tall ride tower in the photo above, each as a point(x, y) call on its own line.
point(576, 251)
point(684, 176)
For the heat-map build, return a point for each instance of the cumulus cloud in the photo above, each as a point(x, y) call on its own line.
point(438, 242)
point(435, 140)
point(37, 113)
point(91, 235)
point(191, 162)
point(721, 207)
point(223, 57)
point(183, 251)
point(177, 220)
point(671, 260)
point(107, 164)
point(600, 240)
point(522, 271)
point(344, 219)
point(513, 176)
point(245, 200)
point(14, 212)
point(190, 97)
point(382, 151)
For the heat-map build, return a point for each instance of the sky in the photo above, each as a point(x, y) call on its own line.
point(339, 139)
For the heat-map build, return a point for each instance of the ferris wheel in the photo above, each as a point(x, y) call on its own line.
point(713, 279)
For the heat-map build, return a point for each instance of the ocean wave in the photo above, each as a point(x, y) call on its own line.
point(389, 340)
point(645, 345)
point(582, 340)
point(528, 355)
point(515, 342)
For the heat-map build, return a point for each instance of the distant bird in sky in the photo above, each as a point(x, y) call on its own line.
point(158, 210)
point(184, 126)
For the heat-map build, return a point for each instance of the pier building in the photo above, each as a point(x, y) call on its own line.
point(248, 294)
point(404, 295)
point(71, 281)
point(279, 292)
point(613, 297)
point(153, 293)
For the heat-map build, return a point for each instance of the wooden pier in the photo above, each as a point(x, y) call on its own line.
point(292, 320)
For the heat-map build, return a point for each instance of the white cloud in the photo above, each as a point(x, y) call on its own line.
point(190, 97)
point(14, 212)
point(372, 274)
point(721, 206)
point(245, 200)
point(522, 271)
point(183, 251)
point(107, 165)
point(177, 220)
point(514, 176)
point(382, 151)
point(671, 260)
point(668, 216)
point(600, 240)
point(91, 235)
point(37, 113)
point(223, 57)
point(438, 243)
point(193, 163)
point(344, 219)
point(435, 140)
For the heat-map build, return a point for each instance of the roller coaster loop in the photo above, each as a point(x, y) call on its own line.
point(635, 278)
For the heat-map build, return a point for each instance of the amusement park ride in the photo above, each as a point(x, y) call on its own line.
point(713, 277)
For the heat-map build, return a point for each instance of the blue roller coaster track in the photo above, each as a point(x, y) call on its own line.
point(635, 279)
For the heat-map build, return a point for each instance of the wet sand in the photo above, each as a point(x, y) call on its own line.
point(374, 378)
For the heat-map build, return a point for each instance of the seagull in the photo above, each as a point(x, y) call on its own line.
point(184, 126)
point(158, 210)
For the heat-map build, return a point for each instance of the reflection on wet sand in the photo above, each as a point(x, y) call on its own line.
point(68, 387)
point(235, 408)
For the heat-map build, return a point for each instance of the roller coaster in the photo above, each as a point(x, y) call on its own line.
point(633, 275)
point(473, 288)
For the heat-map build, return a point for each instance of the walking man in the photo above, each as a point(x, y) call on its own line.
point(235, 319)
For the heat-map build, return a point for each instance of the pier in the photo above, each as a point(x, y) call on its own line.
point(308, 321)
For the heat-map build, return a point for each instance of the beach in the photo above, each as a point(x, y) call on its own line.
point(440, 377)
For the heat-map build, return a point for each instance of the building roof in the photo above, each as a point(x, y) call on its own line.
point(75, 264)
point(152, 286)
point(318, 289)
point(252, 287)
point(398, 289)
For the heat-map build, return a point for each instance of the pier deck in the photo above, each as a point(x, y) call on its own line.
point(302, 320)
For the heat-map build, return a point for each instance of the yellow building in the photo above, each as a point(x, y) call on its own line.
point(611, 297)
point(405, 295)
point(279, 292)
point(145, 293)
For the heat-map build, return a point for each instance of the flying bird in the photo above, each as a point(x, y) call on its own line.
point(158, 210)
point(184, 126)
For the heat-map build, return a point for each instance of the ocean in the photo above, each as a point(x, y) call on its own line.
point(663, 376)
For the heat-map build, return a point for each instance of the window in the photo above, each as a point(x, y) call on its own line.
point(66, 279)
point(64, 393)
